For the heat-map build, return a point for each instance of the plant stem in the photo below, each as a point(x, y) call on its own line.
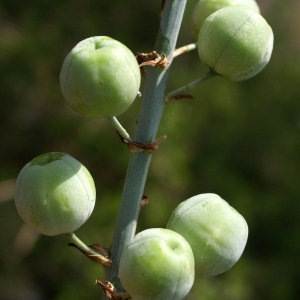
point(184, 49)
point(80, 244)
point(147, 126)
point(185, 89)
point(117, 125)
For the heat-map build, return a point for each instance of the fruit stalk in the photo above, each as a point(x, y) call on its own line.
point(114, 121)
point(186, 88)
point(80, 244)
point(148, 122)
point(184, 49)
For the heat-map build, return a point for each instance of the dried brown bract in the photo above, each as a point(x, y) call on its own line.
point(177, 97)
point(144, 201)
point(111, 292)
point(162, 8)
point(97, 258)
point(152, 59)
point(138, 147)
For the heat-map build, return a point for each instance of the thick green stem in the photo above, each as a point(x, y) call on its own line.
point(147, 126)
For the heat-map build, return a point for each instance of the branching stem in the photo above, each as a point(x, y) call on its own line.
point(186, 88)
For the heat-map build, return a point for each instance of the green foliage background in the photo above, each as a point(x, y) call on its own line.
point(239, 140)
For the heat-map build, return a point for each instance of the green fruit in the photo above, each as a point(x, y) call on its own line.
point(157, 264)
point(235, 42)
point(216, 232)
point(204, 8)
point(100, 77)
point(54, 193)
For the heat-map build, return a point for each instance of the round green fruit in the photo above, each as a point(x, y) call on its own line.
point(235, 42)
point(216, 232)
point(54, 193)
point(157, 264)
point(100, 77)
point(204, 8)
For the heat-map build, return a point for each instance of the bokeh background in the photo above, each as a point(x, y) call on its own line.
point(239, 140)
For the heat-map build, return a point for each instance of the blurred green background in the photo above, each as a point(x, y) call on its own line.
point(238, 140)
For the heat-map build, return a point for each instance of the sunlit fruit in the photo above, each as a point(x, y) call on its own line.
point(158, 264)
point(216, 232)
point(204, 8)
point(235, 42)
point(100, 77)
point(54, 193)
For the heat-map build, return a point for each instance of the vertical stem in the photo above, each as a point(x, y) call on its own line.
point(148, 122)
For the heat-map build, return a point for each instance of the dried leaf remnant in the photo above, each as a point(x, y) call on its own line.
point(138, 147)
point(152, 59)
point(97, 258)
point(111, 292)
point(178, 97)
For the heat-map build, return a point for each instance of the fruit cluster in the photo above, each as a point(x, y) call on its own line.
point(99, 78)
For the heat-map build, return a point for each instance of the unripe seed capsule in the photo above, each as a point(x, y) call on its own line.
point(55, 193)
point(100, 77)
point(158, 264)
point(235, 42)
point(205, 8)
point(216, 232)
